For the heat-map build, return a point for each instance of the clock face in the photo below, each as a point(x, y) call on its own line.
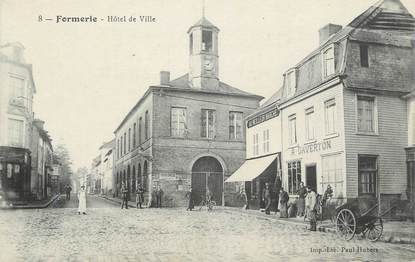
point(208, 65)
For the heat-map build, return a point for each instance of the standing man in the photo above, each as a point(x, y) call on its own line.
point(283, 203)
point(191, 204)
point(159, 195)
point(124, 194)
point(139, 198)
point(302, 192)
point(310, 204)
point(277, 185)
point(266, 196)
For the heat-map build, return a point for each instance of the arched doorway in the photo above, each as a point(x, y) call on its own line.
point(139, 178)
point(145, 177)
point(207, 173)
point(133, 182)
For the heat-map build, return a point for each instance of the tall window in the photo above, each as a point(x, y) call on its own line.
point(364, 56)
point(328, 62)
point(15, 132)
point(121, 152)
point(208, 123)
point(366, 114)
point(309, 123)
point(265, 141)
point(118, 148)
point(135, 135)
point(292, 129)
point(330, 116)
point(207, 41)
point(333, 173)
point(367, 175)
point(129, 139)
point(255, 143)
point(17, 87)
point(294, 177)
point(178, 122)
point(291, 83)
point(235, 125)
point(146, 127)
point(140, 128)
point(125, 143)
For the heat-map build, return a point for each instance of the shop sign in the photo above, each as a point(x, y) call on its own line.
point(264, 117)
point(312, 148)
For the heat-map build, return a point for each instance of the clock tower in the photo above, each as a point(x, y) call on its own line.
point(203, 50)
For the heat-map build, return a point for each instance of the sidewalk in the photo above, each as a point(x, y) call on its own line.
point(398, 232)
point(32, 204)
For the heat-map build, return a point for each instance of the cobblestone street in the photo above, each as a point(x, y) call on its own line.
point(108, 233)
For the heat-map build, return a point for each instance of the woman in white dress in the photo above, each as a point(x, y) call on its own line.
point(82, 201)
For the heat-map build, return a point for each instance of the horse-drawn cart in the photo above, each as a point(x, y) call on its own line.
point(349, 221)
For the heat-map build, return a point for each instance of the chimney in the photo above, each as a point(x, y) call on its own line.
point(164, 77)
point(327, 31)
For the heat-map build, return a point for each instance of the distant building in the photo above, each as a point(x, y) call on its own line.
point(106, 167)
point(42, 161)
point(55, 178)
point(185, 132)
point(95, 178)
point(16, 97)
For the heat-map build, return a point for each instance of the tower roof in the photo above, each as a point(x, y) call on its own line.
point(203, 22)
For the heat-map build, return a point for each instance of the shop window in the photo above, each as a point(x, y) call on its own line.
point(364, 56)
point(292, 129)
point(235, 125)
point(207, 41)
point(9, 170)
point(178, 122)
point(15, 132)
point(366, 114)
point(309, 123)
point(328, 62)
point(208, 123)
point(265, 141)
point(367, 175)
point(330, 116)
point(294, 177)
point(255, 143)
point(333, 173)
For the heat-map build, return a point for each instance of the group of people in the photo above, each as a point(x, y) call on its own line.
point(139, 196)
point(307, 203)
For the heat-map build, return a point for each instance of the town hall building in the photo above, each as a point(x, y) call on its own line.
point(186, 132)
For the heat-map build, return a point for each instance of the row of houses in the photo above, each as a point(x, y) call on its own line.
point(344, 117)
point(28, 170)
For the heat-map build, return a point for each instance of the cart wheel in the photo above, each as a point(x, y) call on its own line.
point(374, 229)
point(346, 224)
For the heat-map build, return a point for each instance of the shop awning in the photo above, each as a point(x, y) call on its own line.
point(251, 169)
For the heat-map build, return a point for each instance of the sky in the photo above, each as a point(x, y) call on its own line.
point(89, 75)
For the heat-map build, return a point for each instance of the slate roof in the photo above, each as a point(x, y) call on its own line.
point(203, 22)
point(183, 83)
point(387, 22)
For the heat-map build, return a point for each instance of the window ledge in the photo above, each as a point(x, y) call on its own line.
point(310, 141)
point(293, 146)
point(331, 136)
point(367, 133)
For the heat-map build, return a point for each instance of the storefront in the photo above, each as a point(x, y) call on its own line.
point(15, 173)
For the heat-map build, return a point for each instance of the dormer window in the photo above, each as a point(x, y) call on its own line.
point(207, 40)
point(290, 80)
point(328, 61)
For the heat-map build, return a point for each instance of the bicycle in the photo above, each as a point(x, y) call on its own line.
point(209, 204)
